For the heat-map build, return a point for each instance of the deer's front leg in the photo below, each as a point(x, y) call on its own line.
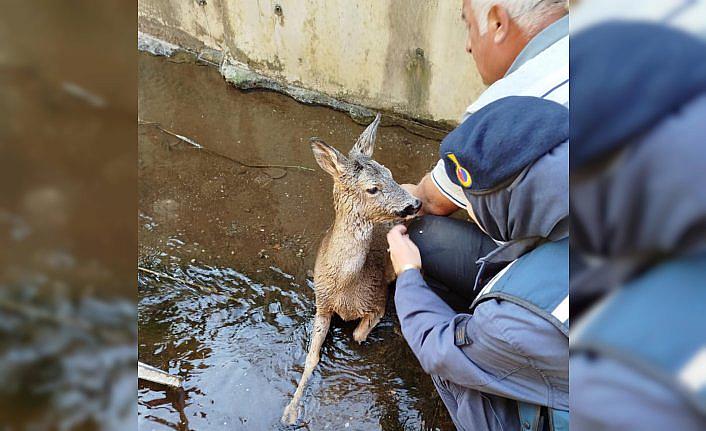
point(367, 323)
point(318, 335)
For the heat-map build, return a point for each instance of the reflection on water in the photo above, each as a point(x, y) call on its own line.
point(244, 239)
point(65, 362)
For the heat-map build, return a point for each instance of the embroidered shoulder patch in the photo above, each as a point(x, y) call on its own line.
point(464, 177)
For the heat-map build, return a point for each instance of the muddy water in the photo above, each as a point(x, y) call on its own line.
point(245, 239)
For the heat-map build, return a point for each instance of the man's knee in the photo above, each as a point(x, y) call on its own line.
point(437, 233)
point(432, 231)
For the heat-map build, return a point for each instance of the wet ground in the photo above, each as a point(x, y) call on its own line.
point(243, 240)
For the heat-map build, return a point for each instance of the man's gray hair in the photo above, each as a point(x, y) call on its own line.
point(527, 13)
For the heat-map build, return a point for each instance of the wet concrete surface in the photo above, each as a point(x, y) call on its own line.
point(245, 241)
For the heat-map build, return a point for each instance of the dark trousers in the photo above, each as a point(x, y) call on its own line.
point(449, 250)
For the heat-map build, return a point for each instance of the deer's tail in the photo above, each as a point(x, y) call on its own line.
point(321, 325)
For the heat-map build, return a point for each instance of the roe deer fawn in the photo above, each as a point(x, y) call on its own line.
point(352, 267)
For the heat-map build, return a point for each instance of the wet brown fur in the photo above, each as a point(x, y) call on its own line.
point(353, 269)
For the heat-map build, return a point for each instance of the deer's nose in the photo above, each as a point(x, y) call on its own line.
point(412, 209)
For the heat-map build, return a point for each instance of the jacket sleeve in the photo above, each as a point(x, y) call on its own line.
point(495, 345)
point(428, 325)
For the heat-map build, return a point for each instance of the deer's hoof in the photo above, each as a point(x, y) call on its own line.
point(290, 415)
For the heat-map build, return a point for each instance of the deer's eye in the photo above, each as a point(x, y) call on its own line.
point(372, 190)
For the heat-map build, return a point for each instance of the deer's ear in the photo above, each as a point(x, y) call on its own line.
point(330, 159)
point(366, 142)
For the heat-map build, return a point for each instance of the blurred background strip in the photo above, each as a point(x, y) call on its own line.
point(67, 215)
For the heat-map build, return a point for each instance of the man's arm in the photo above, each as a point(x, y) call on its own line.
point(488, 351)
point(433, 201)
point(502, 349)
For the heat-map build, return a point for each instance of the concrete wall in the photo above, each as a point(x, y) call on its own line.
point(405, 56)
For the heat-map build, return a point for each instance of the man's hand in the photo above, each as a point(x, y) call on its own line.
point(403, 252)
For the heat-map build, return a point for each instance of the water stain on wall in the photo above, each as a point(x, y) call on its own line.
point(418, 75)
point(407, 64)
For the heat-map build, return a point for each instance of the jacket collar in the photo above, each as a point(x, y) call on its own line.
point(543, 40)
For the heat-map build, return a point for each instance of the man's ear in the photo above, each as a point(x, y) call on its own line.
point(329, 158)
point(498, 23)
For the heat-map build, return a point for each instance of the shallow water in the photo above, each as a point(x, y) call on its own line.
point(245, 238)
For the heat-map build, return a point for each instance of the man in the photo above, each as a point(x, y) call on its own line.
point(520, 48)
point(502, 363)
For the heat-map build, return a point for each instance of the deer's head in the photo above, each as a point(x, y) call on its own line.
point(362, 186)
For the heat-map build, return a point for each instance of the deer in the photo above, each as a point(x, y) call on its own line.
point(353, 269)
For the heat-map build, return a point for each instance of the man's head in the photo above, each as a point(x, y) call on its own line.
point(499, 29)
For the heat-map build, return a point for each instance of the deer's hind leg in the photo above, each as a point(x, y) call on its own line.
point(367, 323)
point(318, 335)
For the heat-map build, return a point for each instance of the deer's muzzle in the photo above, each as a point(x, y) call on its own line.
point(410, 210)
